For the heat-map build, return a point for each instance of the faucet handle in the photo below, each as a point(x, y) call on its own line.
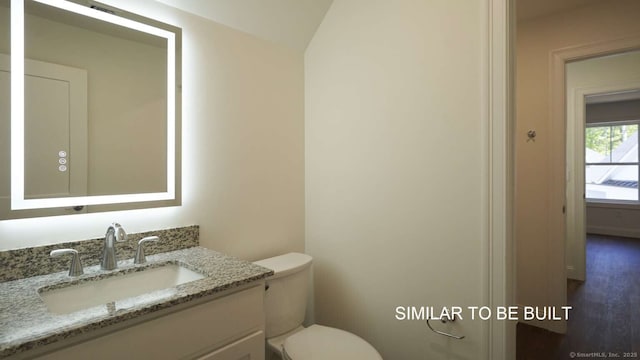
point(140, 258)
point(76, 264)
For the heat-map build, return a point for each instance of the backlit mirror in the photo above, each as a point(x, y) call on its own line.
point(94, 103)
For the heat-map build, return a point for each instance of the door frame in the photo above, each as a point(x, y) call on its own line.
point(576, 201)
point(557, 290)
point(500, 115)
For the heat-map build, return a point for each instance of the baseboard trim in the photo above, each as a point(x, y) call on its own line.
point(614, 231)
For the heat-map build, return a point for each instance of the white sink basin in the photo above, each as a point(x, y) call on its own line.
point(119, 291)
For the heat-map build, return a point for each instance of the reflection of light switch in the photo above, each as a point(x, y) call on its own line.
point(62, 160)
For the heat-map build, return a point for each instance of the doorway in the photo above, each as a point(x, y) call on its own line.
point(603, 112)
point(545, 45)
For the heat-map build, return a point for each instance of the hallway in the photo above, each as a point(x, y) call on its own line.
point(606, 308)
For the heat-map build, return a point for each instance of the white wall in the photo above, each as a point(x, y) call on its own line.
point(288, 22)
point(614, 220)
point(243, 175)
point(395, 173)
point(536, 242)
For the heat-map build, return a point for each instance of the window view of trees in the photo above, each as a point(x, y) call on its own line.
point(603, 139)
point(611, 159)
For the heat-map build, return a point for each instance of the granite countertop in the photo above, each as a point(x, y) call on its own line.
point(25, 322)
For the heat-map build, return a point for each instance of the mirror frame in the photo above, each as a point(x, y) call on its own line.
point(169, 198)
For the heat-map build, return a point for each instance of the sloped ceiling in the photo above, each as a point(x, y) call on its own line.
point(288, 22)
point(293, 22)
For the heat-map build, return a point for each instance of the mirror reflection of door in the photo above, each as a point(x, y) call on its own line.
point(56, 132)
point(47, 137)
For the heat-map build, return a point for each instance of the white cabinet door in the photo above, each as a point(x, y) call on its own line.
point(247, 348)
point(232, 325)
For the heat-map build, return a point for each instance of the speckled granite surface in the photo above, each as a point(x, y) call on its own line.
point(23, 263)
point(25, 322)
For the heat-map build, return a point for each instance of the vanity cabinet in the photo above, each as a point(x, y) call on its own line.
point(248, 348)
point(229, 327)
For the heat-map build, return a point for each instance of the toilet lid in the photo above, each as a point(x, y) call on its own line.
point(319, 342)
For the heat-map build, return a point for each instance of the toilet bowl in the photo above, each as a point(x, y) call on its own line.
point(285, 305)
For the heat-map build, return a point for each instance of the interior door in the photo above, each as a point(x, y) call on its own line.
point(47, 137)
point(55, 135)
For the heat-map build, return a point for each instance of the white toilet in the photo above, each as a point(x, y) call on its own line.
point(285, 305)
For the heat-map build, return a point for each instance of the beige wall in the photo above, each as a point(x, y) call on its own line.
point(395, 181)
point(536, 245)
point(243, 174)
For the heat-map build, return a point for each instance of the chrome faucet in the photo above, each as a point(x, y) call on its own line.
point(140, 258)
point(115, 233)
point(75, 269)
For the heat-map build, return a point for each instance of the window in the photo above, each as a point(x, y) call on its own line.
point(611, 159)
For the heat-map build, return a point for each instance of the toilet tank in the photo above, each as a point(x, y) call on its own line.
point(286, 296)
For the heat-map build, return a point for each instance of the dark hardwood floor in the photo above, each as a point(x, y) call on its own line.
point(605, 319)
